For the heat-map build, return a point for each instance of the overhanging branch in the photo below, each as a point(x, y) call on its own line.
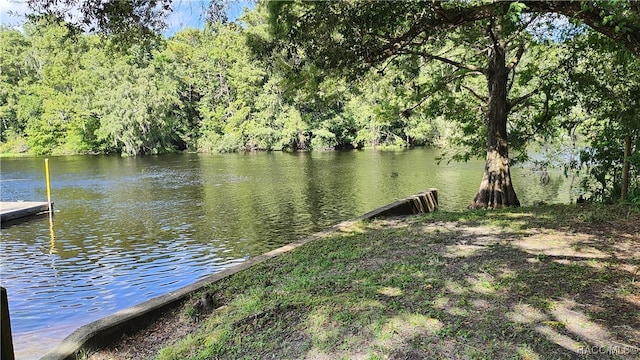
point(455, 63)
point(522, 98)
point(437, 87)
point(484, 99)
point(516, 59)
point(427, 23)
point(624, 29)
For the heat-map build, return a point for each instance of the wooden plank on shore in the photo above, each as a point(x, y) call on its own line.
point(19, 209)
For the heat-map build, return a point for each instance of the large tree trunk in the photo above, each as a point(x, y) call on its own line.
point(496, 189)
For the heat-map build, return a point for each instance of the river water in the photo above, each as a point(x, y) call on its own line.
point(126, 230)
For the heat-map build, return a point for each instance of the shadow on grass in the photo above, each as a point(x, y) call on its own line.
point(557, 282)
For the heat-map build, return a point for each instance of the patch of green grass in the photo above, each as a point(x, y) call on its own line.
point(189, 311)
point(394, 289)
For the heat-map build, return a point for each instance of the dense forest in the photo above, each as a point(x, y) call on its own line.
point(202, 90)
point(253, 84)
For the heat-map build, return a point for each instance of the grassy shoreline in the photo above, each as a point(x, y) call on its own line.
point(556, 282)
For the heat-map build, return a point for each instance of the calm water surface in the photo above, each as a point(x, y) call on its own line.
point(128, 229)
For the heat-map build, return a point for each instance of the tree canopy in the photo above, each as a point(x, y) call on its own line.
point(62, 91)
point(473, 39)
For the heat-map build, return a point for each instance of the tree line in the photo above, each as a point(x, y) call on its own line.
point(66, 92)
point(294, 76)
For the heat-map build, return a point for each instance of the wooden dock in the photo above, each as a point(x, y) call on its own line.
point(10, 211)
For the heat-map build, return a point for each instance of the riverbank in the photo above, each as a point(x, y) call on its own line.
point(546, 282)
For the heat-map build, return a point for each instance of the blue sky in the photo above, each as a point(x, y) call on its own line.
point(190, 13)
point(11, 11)
point(186, 13)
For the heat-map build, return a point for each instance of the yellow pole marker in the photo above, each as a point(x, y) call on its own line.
point(48, 179)
point(52, 244)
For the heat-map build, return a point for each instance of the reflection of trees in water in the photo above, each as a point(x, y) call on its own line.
point(330, 188)
point(281, 197)
point(547, 185)
point(558, 160)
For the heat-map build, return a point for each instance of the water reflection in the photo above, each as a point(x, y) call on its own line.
point(52, 242)
point(128, 229)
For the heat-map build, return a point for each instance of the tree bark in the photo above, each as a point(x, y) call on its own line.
point(496, 189)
